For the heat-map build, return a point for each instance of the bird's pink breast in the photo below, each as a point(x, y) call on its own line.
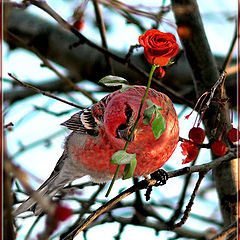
point(96, 156)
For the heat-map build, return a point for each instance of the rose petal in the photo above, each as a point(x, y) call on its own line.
point(153, 59)
point(159, 47)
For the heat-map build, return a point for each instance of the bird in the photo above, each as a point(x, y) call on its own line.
point(99, 131)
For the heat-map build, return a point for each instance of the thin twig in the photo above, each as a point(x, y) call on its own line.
point(102, 30)
point(45, 7)
point(178, 211)
point(35, 89)
point(51, 67)
point(232, 154)
point(230, 51)
point(130, 9)
point(32, 227)
point(46, 140)
point(187, 211)
point(56, 114)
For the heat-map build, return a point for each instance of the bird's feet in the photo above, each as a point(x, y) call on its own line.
point(161, 178)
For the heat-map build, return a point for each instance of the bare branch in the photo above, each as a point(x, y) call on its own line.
point(190, 204)
point(226, 232)
point(145, 184)
point(43, 92)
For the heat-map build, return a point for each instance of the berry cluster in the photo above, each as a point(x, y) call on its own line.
point(196, 135)
point(219, 148)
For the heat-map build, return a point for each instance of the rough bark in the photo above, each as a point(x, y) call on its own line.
point(205, 73)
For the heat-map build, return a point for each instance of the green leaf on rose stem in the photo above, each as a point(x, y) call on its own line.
point(114, 81)
point(148, 114)
point(158, 125)
point(129, 169)
point(150, 103)
point(149, 111)
point(121, 157)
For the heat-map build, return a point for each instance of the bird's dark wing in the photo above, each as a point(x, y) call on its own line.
point(83, 122)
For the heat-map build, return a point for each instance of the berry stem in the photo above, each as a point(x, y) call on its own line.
point(134, 126)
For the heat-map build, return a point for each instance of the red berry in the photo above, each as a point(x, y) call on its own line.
point(62, 213)
point(219, 148)
point(233, 135)
point(79, 24)
point(196, 135)
point(190, 150)
point(184, 32)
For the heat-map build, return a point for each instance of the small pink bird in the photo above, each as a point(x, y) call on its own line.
point(99, 131)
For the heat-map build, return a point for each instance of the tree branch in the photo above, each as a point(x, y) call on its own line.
point(144, 184)
point(226, 231)
point(205, 73)
point(47, 39)
point(43, 92)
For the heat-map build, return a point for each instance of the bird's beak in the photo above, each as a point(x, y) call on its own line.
point(125, 134)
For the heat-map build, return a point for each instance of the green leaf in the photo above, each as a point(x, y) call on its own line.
point(129, 169)
point(158, 125)
point(114, 81)
point(121, 157)
point(150, 103)
point(149, 111)
point(148, 114)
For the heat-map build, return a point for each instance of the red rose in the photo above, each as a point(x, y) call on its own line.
point(159, 47)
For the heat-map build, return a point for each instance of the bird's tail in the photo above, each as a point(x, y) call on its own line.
point(57, 180)
point(40, 198)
